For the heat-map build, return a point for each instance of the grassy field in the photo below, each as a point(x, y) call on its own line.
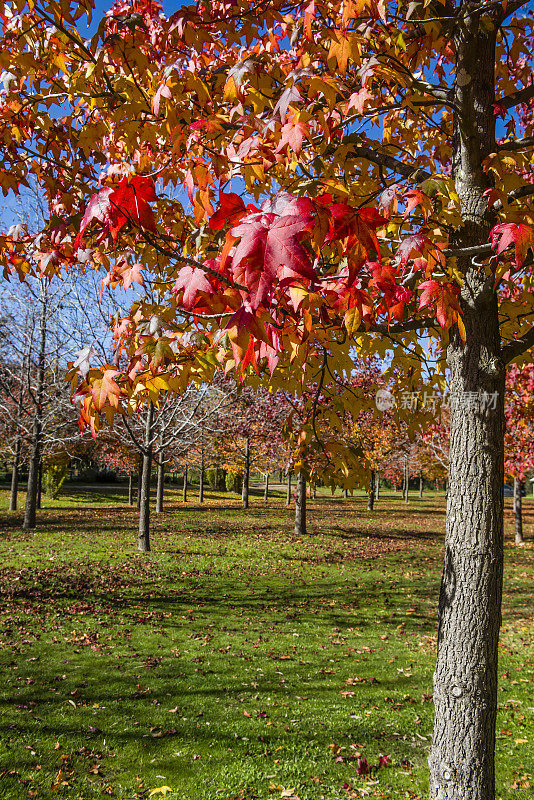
point(235, 660)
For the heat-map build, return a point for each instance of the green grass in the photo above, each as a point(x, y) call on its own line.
point(235, 660)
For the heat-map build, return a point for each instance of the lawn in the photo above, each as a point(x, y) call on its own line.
point(236, 660)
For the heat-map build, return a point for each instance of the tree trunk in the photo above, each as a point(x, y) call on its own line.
point(161, 483)
point(35, 451)
point(201, 476)
point(407, 482)
point(144, 512)
point(371, 494)
point(184, 491)
point(266, 487)
point(246, 473)
point(130, 489)
point(314, 491)
point(462, 758)
point(377, 491)
point(346, 494)
point(300, 505)
point(288, 495)
point(518, 511)
point(139, 484)
point(15, 476)
point(18, 441)
point(420, 486)
point(40, 485)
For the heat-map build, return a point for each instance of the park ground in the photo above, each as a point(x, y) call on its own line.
point(237, 660)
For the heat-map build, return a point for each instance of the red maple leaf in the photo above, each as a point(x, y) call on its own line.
point(130, 202)
point(443, 298)
point(410, 245)
point(231, 209)
point(519, 234)
point(192, 280)
point(270, 247)
point(99, 209)
point(114, 208)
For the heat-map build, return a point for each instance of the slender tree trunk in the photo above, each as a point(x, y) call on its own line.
point(144, 512)
point(371, 493)
point(288, 494)
point(15, 475)
point(377, 492)
point(40, 485)
point(130, 489)
point(300, 505)
point(184, 491)
point(407, 482)
point(266, 487)
point(246, 473)
point(161, 483)
point(518, 511)
point(139, 484)
point(35, 450)
point(201, 476)
point(420, 486)
point(18, 441)
point(345, 493)
point(462, 757)
point(314, 491)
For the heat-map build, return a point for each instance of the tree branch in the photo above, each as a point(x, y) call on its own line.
point(517, 194)
point(521, 96)
point(518, 144)
point(390, 162)
point(518, 346)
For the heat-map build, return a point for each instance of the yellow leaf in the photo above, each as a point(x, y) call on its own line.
point(161, 790)
point(461, 329)
point(521, 741)
point(352, 320)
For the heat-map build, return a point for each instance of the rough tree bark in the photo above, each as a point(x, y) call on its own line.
point(300, 505)
point(143, 543)
point(35, 450)
point(518, 511)
point(371, 492)
point(246, 473)
point(462, 757)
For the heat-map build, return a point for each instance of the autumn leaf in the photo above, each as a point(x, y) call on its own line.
point(192, 280)
point(105, 390)
point(164, 790)
point(518, 234)
point(231, 209)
